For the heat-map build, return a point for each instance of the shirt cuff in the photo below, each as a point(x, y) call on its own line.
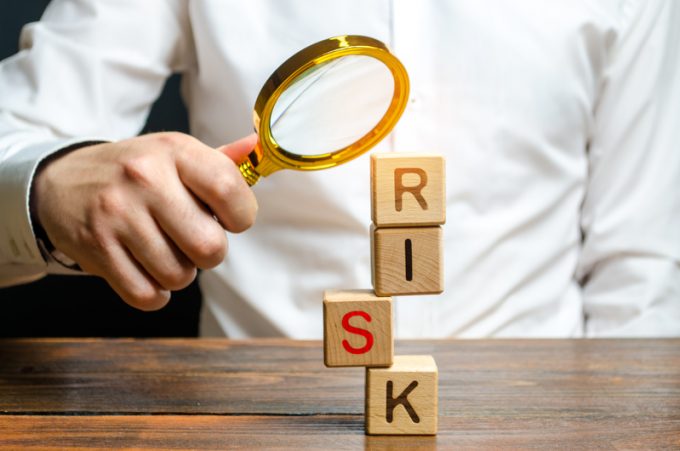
point(17, 241)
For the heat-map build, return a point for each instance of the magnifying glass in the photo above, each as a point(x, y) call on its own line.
point(326, 105)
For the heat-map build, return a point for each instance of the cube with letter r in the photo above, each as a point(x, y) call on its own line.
point(357, 329)
point(407, 189)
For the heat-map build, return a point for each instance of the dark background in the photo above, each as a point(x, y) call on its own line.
point(77, 306)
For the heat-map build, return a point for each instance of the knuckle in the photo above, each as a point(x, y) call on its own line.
point(250, 216)
point(110, 203)
point(141, 169)
point(178, 277)
point(172, 139)
point(148, 299)
point(225, 187)
point(244, 223)
point(210, 249)
point(244, 216)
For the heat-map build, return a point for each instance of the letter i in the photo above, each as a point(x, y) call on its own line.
point(408, 255)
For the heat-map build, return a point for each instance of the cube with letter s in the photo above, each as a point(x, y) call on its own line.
point(357, 329)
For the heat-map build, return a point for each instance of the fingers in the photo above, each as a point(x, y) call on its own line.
point(129, 280)
point(239, 150)
point(141, 212)
point(158, 255)
point(190, 226)
point(217, 182)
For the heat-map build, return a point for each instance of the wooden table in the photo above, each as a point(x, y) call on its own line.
point(211, 394)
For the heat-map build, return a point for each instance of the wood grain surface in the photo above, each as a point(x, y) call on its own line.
point(212, 394)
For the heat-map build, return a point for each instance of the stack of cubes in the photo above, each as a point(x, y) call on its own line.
point(408, 208)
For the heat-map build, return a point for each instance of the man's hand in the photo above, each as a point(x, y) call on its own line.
point(143, 213)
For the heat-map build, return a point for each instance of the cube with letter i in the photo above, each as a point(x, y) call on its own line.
point(408, 206)
point(357, 329)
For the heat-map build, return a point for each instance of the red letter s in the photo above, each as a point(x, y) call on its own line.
point(355, 330)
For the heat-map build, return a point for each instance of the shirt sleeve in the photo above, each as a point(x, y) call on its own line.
point(629, 265)
point(89, 70)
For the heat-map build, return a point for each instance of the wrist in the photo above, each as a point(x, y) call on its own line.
point(47, 249)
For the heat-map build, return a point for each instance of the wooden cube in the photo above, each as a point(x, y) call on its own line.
point(402, 399)
point(407, 189)
point(407, 260)
point(357, 329)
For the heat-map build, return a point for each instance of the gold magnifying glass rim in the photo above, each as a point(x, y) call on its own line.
point(309, 57)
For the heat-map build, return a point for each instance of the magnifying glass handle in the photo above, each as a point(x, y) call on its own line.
point(248, 172)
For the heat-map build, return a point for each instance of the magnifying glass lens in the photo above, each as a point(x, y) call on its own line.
point(326, 105)
point(332, 105)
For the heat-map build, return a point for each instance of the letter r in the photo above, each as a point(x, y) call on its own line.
point(415, 190)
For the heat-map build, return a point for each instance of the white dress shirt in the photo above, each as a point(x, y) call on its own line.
point(560, 123)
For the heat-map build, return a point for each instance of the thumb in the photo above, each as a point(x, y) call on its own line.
point(238, 150)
